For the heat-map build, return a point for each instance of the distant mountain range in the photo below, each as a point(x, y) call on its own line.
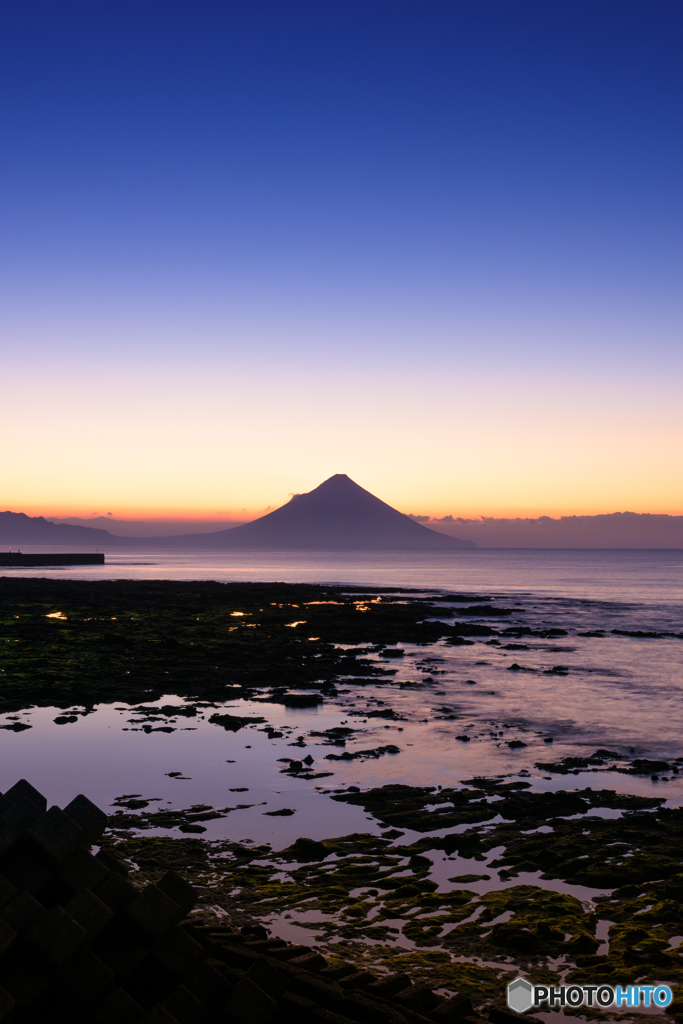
point(637, 530)
point(340, 515)
point(337, 515)
point(17, 528)
point(147, 527)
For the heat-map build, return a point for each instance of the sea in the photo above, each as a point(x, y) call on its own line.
point(550, 698)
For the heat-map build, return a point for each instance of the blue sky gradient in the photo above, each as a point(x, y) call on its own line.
point(212, 213)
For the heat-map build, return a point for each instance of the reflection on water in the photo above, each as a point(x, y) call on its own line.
point(631, 576)
point(629, 709)
point(583, 692)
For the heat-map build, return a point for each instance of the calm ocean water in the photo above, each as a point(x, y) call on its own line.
point(617, 692)
point(643, 577)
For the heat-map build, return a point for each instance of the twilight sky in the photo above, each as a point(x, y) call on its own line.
point(434, 245)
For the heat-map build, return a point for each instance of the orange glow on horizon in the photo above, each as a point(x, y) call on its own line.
point(229, 446)
point(225, 519)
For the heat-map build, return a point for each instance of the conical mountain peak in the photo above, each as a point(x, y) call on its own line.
point(336, 515)
point(340, 483)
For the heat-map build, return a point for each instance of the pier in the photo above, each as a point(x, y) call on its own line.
point(17, 558)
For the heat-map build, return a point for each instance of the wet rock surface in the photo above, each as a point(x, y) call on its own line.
point(458, 887)
point(120, 640)
point(386, 905)
point(85, 939)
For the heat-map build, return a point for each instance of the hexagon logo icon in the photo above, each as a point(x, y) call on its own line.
point(520, 995)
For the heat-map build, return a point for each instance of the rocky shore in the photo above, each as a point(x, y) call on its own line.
point(546, 871)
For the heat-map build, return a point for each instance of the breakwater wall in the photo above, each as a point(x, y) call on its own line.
point(17, 558)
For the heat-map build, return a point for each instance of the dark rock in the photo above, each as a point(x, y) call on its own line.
point(469, 878)
point(389, 986)
point(640, 635)
point(498, 1016)
point(374, 752)
point(254, 931)
point(357, 981)
point(307, 850)
point(232, 723)
point(300, 700)
point(452, 1010)
point(642, 766)
point(418, 997)
point(484, 611)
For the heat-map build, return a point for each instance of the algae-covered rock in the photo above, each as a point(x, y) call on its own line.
point(306, 850)
point(136, 639)
point(374, 896)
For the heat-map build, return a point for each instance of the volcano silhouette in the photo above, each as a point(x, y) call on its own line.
point(336, 515)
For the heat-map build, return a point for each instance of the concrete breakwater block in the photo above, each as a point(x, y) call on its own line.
point(81, 943)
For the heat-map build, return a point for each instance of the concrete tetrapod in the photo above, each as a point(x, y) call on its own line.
point(81, 943)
